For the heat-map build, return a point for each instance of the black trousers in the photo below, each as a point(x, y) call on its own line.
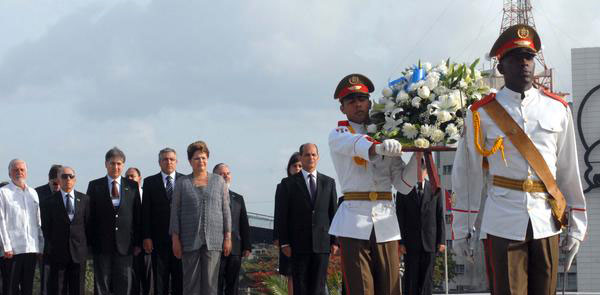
point(419, 271)
point(66, 279)
point(44, 275)
point(113, 270)
point(229, 274)
point(142, 274)
point(309, 273)
point(168, 273)
point(19, 271)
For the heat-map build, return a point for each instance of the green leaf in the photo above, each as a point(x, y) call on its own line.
point(474, 64)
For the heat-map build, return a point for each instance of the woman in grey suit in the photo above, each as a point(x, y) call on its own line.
point(200, 223)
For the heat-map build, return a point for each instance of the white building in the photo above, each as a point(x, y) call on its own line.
point(586, 109)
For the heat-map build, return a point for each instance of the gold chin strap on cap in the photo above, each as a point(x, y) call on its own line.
point(498, 143)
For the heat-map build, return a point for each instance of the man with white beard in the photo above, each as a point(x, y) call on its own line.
point(240, 235)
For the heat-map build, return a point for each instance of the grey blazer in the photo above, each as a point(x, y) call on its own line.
point(191, 205)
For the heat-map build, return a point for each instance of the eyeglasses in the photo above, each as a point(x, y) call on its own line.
point(67, 176)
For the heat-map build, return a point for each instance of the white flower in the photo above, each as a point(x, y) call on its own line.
point(443, 116)
point(445, 103)
point(412, 87)
point(462, 84)
point(416, 102)
point(426, 130)
point(390, 122)
point(457, 98)
point(371, 128)
point(437, 135)
point(477, 74)
point(421, 143)
point(433, 75)
point(440, 90)
point(387, 92)
point(402, 96)
point(431, 82)
point(409, 130)
point(424, 92)
point(442, 68)
point(427, 66)
point(451, 130)
point(389, 106)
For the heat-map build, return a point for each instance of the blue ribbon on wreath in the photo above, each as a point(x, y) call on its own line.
point(418, 75)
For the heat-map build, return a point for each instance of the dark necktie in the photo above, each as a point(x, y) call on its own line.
point(313, 187)
point(115, 190)
point(169, 187)
point(419, 192)
point(69, 207)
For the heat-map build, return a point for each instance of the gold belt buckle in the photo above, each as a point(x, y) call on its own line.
point(528, 185)
point(373, 196)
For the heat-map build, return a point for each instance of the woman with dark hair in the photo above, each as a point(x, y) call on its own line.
point(294, 166)
point(200, 223)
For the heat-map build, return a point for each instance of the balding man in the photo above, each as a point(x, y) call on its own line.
point(308, 204)
point(229, 272)
point(20, 230)
point(66, 226)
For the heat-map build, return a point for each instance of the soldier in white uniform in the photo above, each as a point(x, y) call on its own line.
point(366, 221)
point(522, 235)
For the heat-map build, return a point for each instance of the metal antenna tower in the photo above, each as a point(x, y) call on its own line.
point(519, 12)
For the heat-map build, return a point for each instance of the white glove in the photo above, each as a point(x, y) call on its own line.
point(389, 147)
point(571, 246)
point(462, 247)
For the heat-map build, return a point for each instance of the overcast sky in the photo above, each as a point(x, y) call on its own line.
point(254, 79)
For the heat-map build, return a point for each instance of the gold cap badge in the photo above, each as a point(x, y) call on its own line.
point(523, 32)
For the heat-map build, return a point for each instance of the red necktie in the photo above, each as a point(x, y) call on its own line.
point(115, 190)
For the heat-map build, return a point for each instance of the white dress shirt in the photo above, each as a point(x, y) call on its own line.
point(356, 219)
point(549, 125)
point(20, 222)
point(71, 200)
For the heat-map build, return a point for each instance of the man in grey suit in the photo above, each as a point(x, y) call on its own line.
point(229, 271)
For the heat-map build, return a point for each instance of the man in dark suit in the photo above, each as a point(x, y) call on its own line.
point(142, 264)
point(156, 214)
point(45, 193)
point(421, 219)
point(308, 204)
point(229, 271)
point(66, 231)
point(115, 226)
